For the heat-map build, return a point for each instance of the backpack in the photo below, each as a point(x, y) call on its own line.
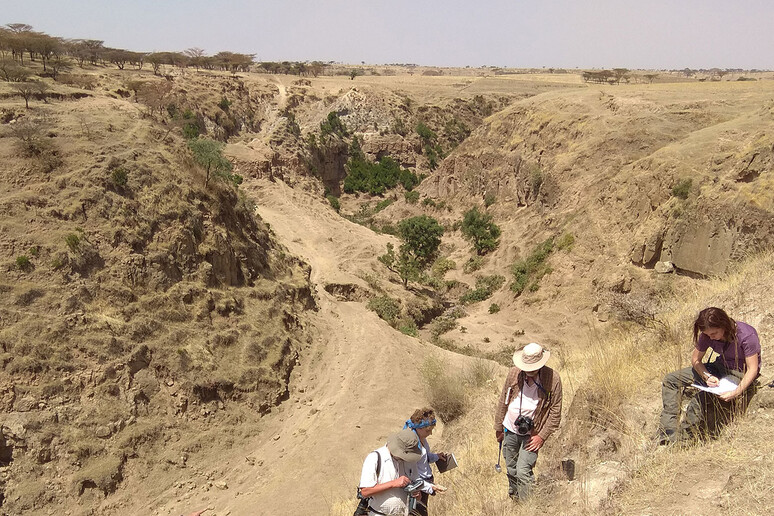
point(362, 506)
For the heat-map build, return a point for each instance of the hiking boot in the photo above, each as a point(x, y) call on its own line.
point(665, 437)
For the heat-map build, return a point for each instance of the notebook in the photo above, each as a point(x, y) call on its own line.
point(445, 465)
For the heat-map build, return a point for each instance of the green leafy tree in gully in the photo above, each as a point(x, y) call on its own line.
point(421, 238)
point(208, 154)
point(479, 229)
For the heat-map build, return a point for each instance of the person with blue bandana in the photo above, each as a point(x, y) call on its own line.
point(422, 422)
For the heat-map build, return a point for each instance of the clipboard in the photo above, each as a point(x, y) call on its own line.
point(445, 465)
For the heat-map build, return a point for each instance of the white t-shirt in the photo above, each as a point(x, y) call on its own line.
point(392, 501)
point(528, 403)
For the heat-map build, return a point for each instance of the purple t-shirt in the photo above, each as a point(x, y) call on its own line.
point(733, 358)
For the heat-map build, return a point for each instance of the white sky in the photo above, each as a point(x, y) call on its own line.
point(515, 33)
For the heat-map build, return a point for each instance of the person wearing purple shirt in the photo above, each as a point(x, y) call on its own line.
point(738, 355)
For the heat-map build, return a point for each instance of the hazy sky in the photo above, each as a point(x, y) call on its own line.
point(515, 33)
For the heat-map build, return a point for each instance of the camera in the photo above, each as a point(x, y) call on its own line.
point(414, 486)
point(524, 425)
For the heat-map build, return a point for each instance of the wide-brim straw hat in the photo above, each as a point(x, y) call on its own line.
point(405, 445)
point(531, 357)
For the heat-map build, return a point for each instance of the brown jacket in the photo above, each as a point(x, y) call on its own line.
point(549, 409)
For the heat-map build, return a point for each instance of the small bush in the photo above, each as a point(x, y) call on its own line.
point(527, 273)
point(445, 392)
point(383, 204)
point(119, 177)
point(565, 242)
point(408, 327)
point(334, 201)
point(494, 308)
point(473, 264)
point(224, 104)
point(485, 287)
point(442, 266)
point(73, 242)
point(682, 188)
point(34, 251)
point(489, 200)
point(479, 373)
point(412, 197)
point(385, 307)
point(23, 263)
point(442, 325)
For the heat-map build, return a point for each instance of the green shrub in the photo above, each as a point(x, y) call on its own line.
point(334, 201)
point(34, 251)
point(377, 178)
point(23, 263)
point(473, 264)
point(682, 188)
point(73, 242)
point(494, 308)
point(536, 179)
point(442, 266)
point(224, 104)
point(480, 230)
point(408, 327)
point(428, 202)
point(190, 131)
point(333, 125)
point(412, 197)
point(485, 287)
point(529, 272)
point(489, 200)
point(441, 325)
point(425, 132)
point(385, 307)
point(119, 177)
point(383, 204)
point(565, 242)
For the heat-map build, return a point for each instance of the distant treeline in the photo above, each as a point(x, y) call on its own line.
point(20, 42)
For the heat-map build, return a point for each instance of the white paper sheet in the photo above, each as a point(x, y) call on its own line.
point(726, 384)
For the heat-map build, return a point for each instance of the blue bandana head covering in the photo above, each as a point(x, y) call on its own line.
point(422, 424)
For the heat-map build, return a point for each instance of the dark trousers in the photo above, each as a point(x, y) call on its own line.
point(706, 413)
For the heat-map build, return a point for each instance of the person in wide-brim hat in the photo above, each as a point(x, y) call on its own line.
point(528, 412)
point(531, 357)
point(404, 445)
point(386, 471)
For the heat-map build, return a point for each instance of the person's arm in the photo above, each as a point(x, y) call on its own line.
point(749, 377)
point(400, 482)
point(696, 362)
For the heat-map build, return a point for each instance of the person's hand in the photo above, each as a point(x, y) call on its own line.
point(499, 434)
point(534, 444)
point(437, 488)
point(401, 481)
point(416, 494)
point(712, 381)
point(442, 456)
point(728, 396)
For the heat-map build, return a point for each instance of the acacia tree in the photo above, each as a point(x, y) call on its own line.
point(195, 55)
point(208, 154)
point(29, 89)
point(421, 238)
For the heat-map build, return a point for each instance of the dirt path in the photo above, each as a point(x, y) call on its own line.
point(354, 383)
